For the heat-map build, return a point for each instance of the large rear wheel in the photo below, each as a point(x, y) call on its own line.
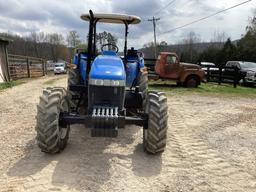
point(51, 136)
point(155, 134)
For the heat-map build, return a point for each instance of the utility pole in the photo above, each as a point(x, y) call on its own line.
point(154, 20)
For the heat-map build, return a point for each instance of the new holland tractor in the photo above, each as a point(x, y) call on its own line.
point(105, 92)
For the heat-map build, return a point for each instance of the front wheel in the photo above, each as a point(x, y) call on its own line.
point(155, 134)
point(51, 136)
point(192, 82)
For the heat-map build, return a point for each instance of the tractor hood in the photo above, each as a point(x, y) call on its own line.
point(190, 66)
point(107, 67)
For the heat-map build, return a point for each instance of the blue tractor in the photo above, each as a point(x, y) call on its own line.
point(105, 92)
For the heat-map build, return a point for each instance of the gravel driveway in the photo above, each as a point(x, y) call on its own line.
point(211, 147)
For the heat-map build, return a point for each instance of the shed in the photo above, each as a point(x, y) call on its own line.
point(4, 69)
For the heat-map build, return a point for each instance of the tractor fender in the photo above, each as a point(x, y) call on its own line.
point(81, 64)
point(131, 73)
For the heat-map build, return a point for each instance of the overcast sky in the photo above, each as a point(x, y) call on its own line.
point(23, 16)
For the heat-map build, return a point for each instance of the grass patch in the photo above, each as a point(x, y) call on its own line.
point(10, 84)
point(204, 88)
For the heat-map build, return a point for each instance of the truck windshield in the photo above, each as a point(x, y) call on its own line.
point(248, 65)
point(59, 65)
point(171, 59)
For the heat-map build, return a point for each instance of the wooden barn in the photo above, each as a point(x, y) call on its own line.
point(4, 69)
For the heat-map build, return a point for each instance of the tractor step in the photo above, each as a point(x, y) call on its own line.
point(104, 121)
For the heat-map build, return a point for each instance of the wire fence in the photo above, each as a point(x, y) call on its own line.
point(26, 67)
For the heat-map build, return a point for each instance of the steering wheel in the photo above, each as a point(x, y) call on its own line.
point(109, 44)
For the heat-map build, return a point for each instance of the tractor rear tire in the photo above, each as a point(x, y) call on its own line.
point(51, 136)
point(143, 87)
point(155, 134)
point(73, 79)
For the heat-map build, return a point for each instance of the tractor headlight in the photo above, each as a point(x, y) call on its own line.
point(107, 82)
point(99, 82)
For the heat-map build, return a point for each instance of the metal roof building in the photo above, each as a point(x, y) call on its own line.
point(4, 69)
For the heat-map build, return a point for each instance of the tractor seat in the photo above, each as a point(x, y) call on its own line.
point(110, 53)
point(132, 54)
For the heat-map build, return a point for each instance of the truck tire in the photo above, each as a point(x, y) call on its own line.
point(179, 84)
point(51, 136)
point(143, 86)
point(73, 79)
point(155, 134)
point(192, 82)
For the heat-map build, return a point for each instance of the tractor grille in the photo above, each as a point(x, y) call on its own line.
point(106, 96)
point(104, 121)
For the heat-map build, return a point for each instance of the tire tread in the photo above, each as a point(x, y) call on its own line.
point(157, 124)
point(47, 127)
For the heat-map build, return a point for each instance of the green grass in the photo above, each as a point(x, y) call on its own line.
point(204, 88)
point(10, 84)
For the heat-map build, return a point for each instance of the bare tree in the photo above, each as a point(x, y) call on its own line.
point(102, 37)
point(149, 49)
point(73, 39)
point(252, 26)
point(105, 37)
point(33, 36)
point(41, 37)
point(55, 39)
point(190, 44)
point(191, 38)
point(219, 37)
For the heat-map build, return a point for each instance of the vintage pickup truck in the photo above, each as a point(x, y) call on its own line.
point(169, 67)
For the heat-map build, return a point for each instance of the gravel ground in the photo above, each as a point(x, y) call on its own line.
point(211, 147)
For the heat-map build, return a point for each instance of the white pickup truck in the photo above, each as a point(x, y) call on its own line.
point(59, 68)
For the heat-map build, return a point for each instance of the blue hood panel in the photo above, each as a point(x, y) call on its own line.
point(107, 67)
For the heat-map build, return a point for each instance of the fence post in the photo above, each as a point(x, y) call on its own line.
point(28, 68)
point(43, 68)
point(236, 77)
point(208, 74)
point(220, 75)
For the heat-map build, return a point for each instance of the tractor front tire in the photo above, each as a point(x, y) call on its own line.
point(51, 136)
point(143, 87)
point(73, 79)
point(155, 134)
